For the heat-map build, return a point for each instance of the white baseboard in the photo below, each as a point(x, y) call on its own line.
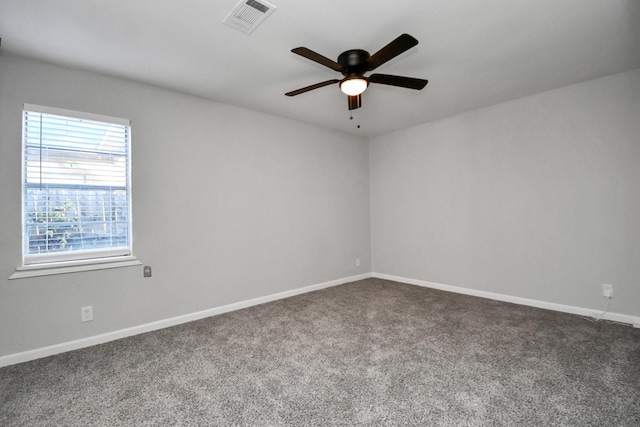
point(38, 353)
point(588, 312)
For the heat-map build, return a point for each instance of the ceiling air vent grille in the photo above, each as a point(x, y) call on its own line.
point(248, 14)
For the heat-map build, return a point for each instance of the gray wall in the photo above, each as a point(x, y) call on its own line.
point(228, 205)
point(537, 198)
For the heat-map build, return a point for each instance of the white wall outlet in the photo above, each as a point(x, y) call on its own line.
point(607, 290)
point(86, 314)
point(146, 271)
point(357, 262)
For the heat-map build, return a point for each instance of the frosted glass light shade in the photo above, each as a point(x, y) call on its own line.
point(354, 86)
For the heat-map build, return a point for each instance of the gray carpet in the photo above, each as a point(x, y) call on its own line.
point(371, 352)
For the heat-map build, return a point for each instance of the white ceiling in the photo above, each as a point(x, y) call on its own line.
point(474, 53)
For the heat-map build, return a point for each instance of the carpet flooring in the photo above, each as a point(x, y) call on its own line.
point(371, 352)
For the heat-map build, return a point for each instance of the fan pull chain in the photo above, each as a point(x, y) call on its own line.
point(351, 118)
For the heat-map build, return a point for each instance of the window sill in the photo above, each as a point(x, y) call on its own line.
point(73, 267)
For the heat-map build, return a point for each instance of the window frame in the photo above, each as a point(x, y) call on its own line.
point(82, 259)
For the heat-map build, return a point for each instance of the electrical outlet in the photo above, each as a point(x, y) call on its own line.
point(86, 314)
point(607, 290)
point(146, 271)
point(357, 262)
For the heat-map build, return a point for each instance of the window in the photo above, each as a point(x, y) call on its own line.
point(76, 186)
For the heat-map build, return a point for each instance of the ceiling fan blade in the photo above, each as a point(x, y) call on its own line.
point(408, 82)
point(316, 57)
point(312, 87)
point(355, 102)
point(401, 44)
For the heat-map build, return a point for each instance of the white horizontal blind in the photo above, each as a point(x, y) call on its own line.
point(76, 186)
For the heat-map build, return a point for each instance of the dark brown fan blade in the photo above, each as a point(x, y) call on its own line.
point(316, 57)
point(390, 51)
point(355, 102)
point(312, 87)
point(408, 82)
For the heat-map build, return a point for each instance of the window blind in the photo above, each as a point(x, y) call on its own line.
point(76, 186)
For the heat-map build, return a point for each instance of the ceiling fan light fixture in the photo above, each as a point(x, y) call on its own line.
point(354, 63)
point(354, 86)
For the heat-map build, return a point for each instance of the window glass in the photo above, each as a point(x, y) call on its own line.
point(76, 186)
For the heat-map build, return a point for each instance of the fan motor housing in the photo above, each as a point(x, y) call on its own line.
point(354, 62)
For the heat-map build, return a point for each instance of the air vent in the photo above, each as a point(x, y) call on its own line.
point(248, 14)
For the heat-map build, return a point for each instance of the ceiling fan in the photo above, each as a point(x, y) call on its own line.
point(354, 63)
